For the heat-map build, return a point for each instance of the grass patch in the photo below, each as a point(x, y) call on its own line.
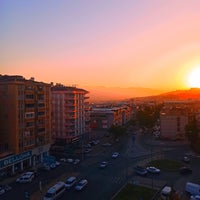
point(135, 192)
point(165, 164)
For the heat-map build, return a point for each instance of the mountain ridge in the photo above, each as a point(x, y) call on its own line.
point(102, 93)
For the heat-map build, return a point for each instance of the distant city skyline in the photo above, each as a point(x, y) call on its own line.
point(113, 43)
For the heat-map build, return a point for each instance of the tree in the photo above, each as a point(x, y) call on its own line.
point(117, 131)
point(192, 133)
point(191, 130)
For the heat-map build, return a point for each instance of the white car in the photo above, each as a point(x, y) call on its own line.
point(2, 190)
point(186, 159)
point(26, 177)
point(107, 144)
point(153, 170)
point(195, 197)
point(81, 184)
point(57, 163)
point(76, 161)
point(115, 155)
point(63, 160)
point(70, 182)
point(103, 164)
point(70, 160)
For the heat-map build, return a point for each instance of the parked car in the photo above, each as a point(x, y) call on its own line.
point(195, 197)
point(94, 142)
point(6, 187)
point(185, 170)
point(70, 160)
point(57, 163)
point(141, 170)
point(186, 159)
point(26, 178)
point(71, 181)
point(166, 192)
point(192, 188)
point(107, 144)
point(2, 190)
point(81, 185)
point(63, 160)
point(103, 164)
point(76, 161)
point(153, 170)
point(53, 165)
point(115, 155)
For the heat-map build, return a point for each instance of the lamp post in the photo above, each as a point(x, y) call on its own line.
point(40, 188)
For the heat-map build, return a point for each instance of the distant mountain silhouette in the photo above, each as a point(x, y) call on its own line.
point(101, 93)
point(193, 93)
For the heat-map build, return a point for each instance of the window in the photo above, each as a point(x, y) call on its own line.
point(29, 115)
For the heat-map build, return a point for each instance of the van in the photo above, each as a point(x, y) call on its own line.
point(166, 192)
point(55, 191)
point(192, 188)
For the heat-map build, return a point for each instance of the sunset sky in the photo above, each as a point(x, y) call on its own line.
point(113, 43)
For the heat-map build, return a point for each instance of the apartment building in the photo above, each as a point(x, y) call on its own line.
point(173, 118)
point(70, 113)
point(25, 122)
point(104, 118)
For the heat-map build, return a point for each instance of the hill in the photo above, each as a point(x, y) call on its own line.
point(101, 93)
point(193, 93)
point(190, 94)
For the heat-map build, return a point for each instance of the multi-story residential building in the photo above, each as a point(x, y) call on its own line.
point(25, 122)
point(173, 118)
point(70, 113)
point(104, 118)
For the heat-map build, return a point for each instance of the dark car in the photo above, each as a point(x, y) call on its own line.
point(141, 171)
point(185, 170)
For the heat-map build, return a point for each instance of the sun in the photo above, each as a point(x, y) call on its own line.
point(194, 78)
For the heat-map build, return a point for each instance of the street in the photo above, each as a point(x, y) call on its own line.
point(104, 183)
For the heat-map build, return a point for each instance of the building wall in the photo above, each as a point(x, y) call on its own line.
point(104, 118)
point(25, 117)
point(69, 113)
point(172, 126)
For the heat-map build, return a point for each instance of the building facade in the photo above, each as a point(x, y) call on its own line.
point(70, 113)
point(104, 118)
point(173, 119)
point(25, 122)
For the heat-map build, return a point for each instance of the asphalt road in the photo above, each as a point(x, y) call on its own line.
point(104, 183)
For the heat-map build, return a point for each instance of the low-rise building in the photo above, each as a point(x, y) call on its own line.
point(105, 117)
point(174, 117)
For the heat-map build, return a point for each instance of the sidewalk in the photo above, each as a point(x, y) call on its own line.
point(9, 180)
point(147, 182)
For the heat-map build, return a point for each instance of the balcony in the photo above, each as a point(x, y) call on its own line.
point(69, 97)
